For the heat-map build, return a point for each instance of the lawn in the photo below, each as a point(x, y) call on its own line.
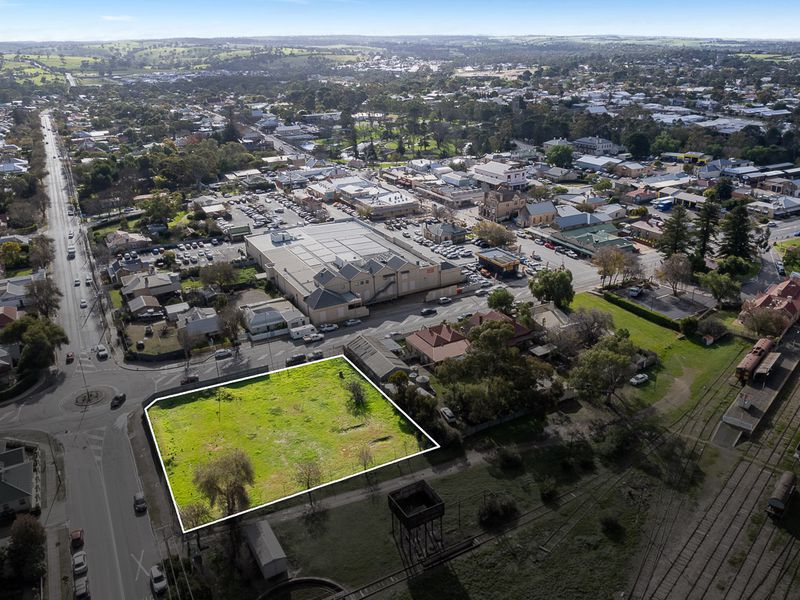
point(116, 298)
point(280, 421)
point(695, 364)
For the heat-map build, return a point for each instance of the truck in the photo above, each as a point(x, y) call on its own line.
point(71, 251)
point(298, 333)
point(781, 495)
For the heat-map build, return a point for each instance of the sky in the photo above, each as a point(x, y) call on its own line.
point(82, 20)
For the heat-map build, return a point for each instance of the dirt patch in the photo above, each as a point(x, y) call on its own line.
point(679, 392)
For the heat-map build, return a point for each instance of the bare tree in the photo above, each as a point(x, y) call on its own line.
point(45, 296)
point(591, 325)
point(231, 322)
point(609, 262)
point(308, 474)
point(187, 342)
point(631, 267)
point(365, 457)
point(764, 321)
point(41, 251)
point(675, 270)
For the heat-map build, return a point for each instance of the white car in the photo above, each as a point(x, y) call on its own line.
point(158, 583)
point(83, 300)
point(79, 564)
point(313, 337)
point(77, 283)
point(639, 379)
point(445, 300)
point(328, 327)
point(352, 322)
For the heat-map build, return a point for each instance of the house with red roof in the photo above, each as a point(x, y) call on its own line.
point(437, 343)
point(521, 333)
point(783, 297)
point(8, 314)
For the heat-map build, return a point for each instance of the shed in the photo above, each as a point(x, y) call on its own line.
point(266, 549)
point(374, 357)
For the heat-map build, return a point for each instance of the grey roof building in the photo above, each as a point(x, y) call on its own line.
point(373, 357)
point(16, 481)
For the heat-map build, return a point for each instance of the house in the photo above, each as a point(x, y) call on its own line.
point(537, 213)
point(595, 146)
point(158, 284)
point(173, 311)
point(783, 297)
point(497, 174)
point(499, 205)
point(629, 169)
point(8, 314)
point(142, 306)
point(570, 217)
point(437, 343)
point(612, 211)
point(646, 230)
point(779, 206)
point(550, 144)
point(558, 174)
point(271, 318)
point(199, 322)
point(521, 333)
point(17, 481)
point(120, 268)
point(640, 196)
point(373, 357)
point(14, 291)
point(444, 232)
point(12, 166)
point(119, 240)
point(596, 163)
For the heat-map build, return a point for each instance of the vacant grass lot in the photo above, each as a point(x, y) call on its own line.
point(280, 420)
point(695, 365)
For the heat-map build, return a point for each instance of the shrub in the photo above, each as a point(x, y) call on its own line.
point(497, 511)
point(548, 490)
point(618, 444)
point(509, 458)
point(689, 326)
point(612, 528)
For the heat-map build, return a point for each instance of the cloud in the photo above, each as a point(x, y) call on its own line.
point(117, 18)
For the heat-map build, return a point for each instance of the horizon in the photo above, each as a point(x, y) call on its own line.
point(82, 21)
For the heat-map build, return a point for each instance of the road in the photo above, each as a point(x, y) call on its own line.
point(100, 472)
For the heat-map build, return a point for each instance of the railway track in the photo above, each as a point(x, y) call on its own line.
point(691, 571)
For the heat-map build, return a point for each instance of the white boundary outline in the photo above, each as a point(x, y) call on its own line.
point(435, 445)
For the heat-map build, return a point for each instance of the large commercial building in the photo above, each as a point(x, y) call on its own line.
point(333, 271)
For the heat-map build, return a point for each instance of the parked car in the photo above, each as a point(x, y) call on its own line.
point(76, 539)
point(190, 379)
point(79, 564)
point(313, 337)
point(102, 352)
point(352, 322)
point(82, 588)
point(427, 312)
point(223, 353)
point(139, 503)
point(296, 359)
point(70, 357)
point(482, 292)
point(549, 246)
point(448, 415)
point(639, 379)
point(635, 291)
point(444, 300)
point(316, 355)
point(328, 327)
point(158, 583)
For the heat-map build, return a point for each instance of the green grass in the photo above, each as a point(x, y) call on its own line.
point(279, 420)
point(677, 357)
point(173, 222)
point(116, 298)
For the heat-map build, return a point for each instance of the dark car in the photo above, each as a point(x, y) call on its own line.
point(427, 312)
point(316, 355)
point(190, 379)
point(118, 400)
point(76, 539)
point(296, 359)
point(139, 503)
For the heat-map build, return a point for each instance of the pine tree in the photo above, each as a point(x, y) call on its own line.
point(706, 230)
point(675, 236)
point(736, 229)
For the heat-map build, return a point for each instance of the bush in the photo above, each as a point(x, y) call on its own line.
point(689, 326)
point(618, 444)
point(509, 459)
point(548, 490)
point(612, 528)
point(641, 311)
point(496, 512)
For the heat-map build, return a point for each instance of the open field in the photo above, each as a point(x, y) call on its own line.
point(280, 421)
point(682, 362)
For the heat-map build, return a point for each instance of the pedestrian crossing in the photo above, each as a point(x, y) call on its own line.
point(95, 439)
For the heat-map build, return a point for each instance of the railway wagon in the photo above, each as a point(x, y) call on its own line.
point(782, 495)
point(753, 358)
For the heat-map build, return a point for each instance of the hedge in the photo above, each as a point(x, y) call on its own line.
point(641, 311)
point(20, 386)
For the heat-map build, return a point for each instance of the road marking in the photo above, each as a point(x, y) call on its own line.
point(5, 415)
point(141, 568)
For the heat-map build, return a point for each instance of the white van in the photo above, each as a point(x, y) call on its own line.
point(298, 333)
